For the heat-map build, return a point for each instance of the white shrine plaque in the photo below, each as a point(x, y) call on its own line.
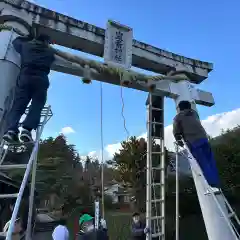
point(118, 45)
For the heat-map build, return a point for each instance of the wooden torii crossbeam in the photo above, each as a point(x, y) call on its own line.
point(75, 34)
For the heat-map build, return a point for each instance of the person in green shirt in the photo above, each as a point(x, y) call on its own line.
point(88, 231)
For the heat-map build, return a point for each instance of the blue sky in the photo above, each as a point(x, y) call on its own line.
point(205, 30)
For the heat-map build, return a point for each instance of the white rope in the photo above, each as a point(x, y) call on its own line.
point(122, 113)
point(102, 148)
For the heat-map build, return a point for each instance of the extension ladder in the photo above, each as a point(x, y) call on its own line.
point(155, 202)
point(230, 216)
point(46, 114)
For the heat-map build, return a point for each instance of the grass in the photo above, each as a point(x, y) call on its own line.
point(119, 225)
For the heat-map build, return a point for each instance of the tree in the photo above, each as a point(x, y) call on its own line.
point(226, 149)
point(60, 170)
point(130, 163)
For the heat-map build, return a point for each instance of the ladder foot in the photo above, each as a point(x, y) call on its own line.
point(213, 190)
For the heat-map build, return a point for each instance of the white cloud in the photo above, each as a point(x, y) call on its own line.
point(112, 148)
point(67, 130)
point(98, 155)
point(213, 124)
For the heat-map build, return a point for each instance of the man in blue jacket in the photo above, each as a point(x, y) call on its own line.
point(139, 229)
point(32, 85)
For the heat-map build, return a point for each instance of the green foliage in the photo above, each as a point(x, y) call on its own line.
point(131, 165)
point(58, 168)
point(61, 178)
point(61, 172)
point(227, 153)
point(108, 204)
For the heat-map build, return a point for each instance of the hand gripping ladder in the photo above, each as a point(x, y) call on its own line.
point(46, 114)
point(230, 216)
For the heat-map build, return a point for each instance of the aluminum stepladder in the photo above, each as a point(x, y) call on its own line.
point(46, 114)
point(228, 216)
point(155, 200)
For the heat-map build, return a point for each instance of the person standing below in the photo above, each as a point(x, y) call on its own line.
point(32, 85)
point(88, 231)
point(187, 126)
point(139, 229)
point(61, 232)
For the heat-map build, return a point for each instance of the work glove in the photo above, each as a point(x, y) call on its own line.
point(146, 230)
point(103, 223)
point(180, 143)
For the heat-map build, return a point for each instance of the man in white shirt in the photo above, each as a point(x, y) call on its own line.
point(60, 233)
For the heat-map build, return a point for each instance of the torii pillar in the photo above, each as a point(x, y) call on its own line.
point(216, 225)
point(10, 59)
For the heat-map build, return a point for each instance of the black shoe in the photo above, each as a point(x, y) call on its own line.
point(25, 136)
point(10, 137)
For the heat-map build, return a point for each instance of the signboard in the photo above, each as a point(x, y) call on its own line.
point(118, 45)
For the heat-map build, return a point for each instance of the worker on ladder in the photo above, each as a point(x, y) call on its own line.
point(187, 125)
point(32, 85)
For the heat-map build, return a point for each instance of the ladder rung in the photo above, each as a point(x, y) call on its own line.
point(160, 153)
point(157, 184)
point(13, 166)
point(157, 200)
point(213, 191)
point(156, 217)
point(157, 168)
point(19, 143)
point(230, 215)
point(157, 234)
point(156, 123)
point(4, 234)
point(13, 195)
point(156, 109)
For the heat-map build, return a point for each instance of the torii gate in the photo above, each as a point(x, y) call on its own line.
point(65, 31)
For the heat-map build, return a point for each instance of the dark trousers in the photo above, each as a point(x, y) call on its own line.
point(201, 151)
point(29, 88)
